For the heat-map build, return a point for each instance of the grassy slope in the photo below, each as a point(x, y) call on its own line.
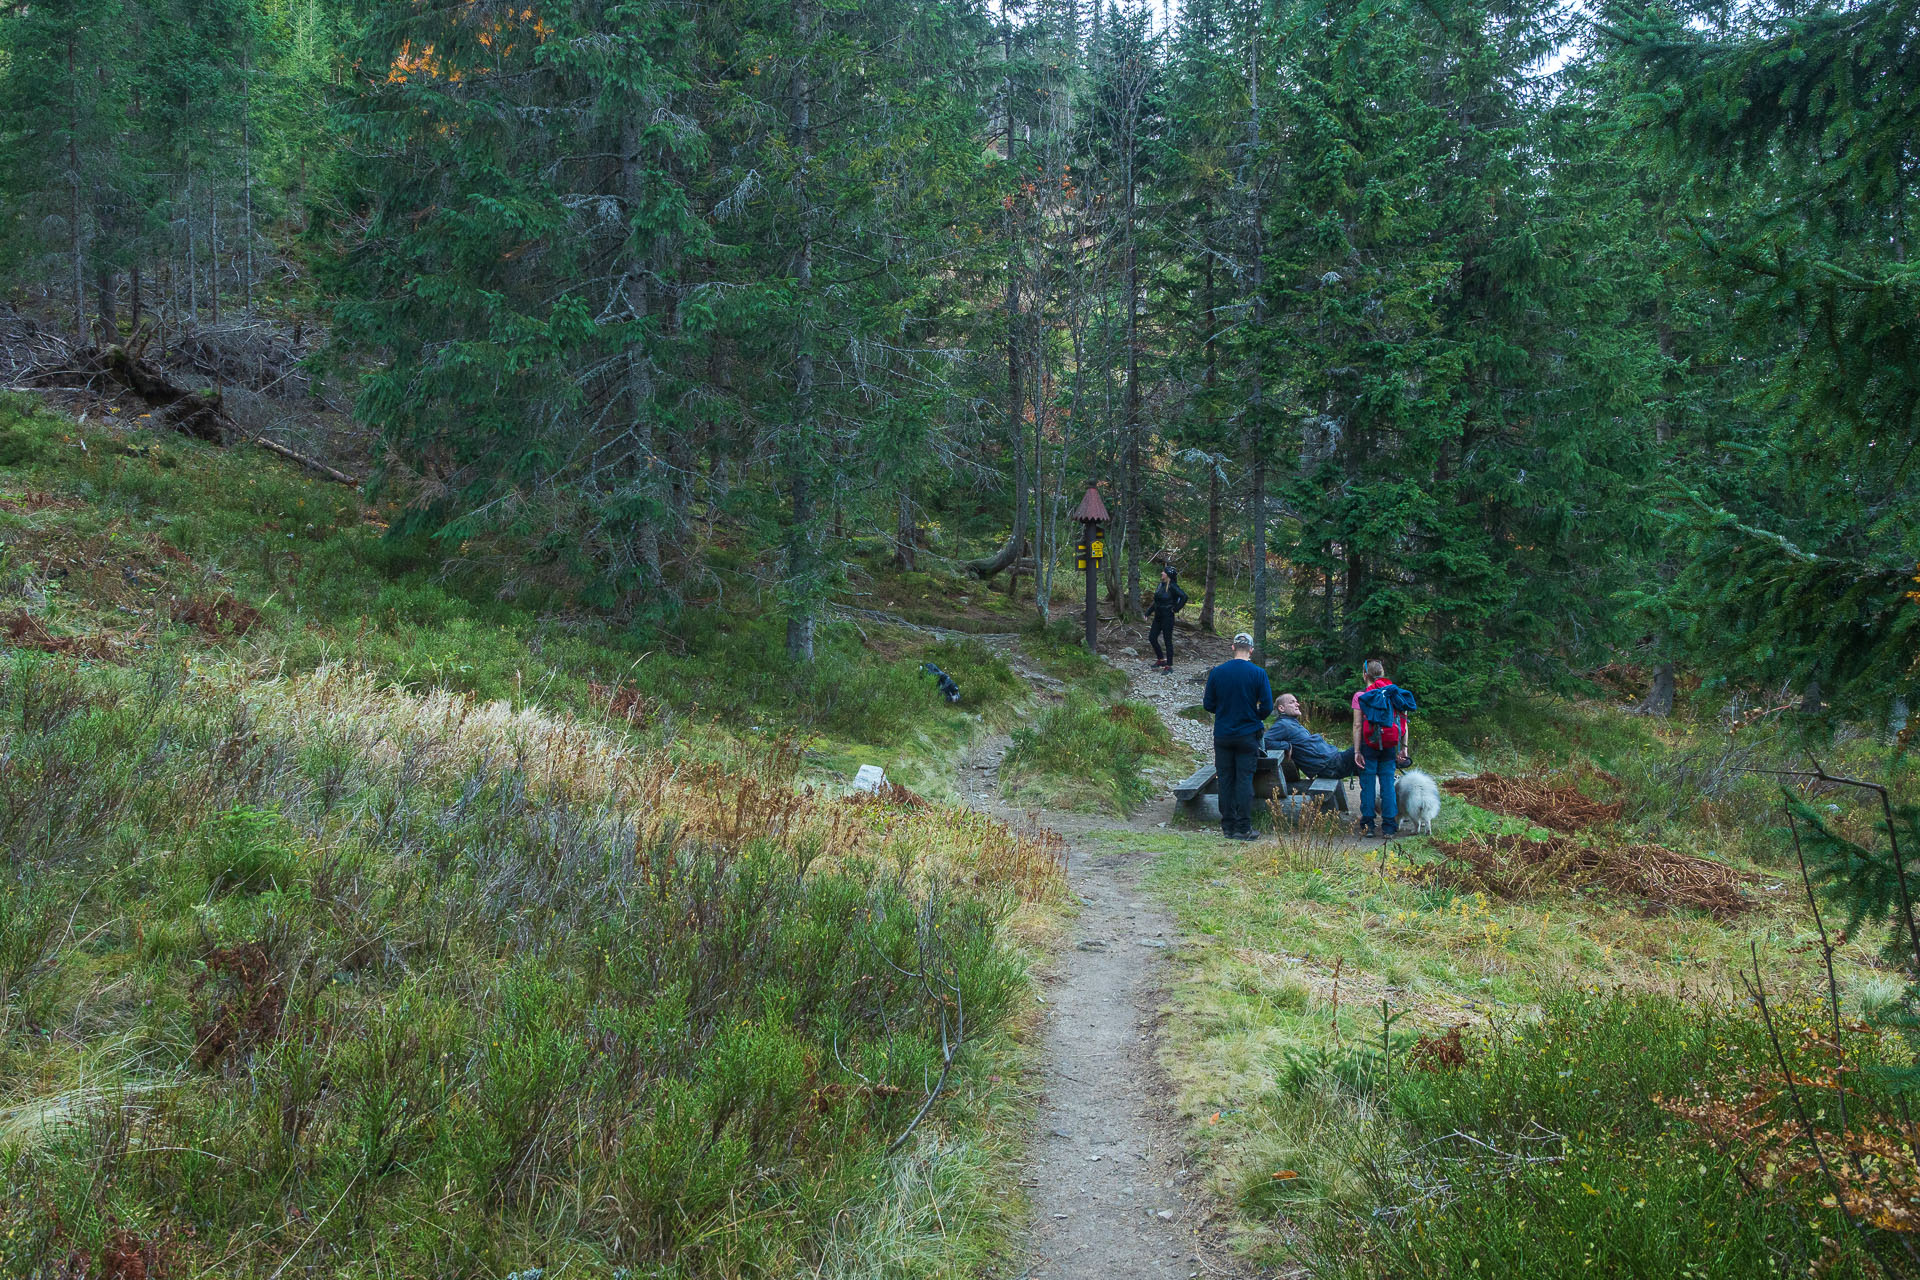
point(378, 940)
point(1089, 754)
point(1578, 1008)
point(118, 531)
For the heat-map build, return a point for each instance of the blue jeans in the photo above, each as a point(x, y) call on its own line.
point(1378, 771)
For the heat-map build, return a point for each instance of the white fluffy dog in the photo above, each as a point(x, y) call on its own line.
point(1419, 798)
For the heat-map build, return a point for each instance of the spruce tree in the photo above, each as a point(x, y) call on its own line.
point(1792, 135)
point(72, 195)
point(1455, 418)
point(1197, 224)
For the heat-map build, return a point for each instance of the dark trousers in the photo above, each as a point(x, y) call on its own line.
point(1161, 627)
point(1233, 762)
point(1340, 766)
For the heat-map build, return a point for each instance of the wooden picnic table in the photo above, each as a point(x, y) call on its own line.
point(1275, 778)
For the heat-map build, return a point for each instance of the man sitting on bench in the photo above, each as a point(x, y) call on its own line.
point(1313, 755)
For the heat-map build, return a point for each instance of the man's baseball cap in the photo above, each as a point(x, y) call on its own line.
point(1243, 641)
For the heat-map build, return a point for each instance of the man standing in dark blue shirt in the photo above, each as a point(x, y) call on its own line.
point(1241, 700)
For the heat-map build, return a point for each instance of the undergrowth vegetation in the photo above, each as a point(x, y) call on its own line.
point(117, 543)
point(313, 968)
point(1526, 1045)
point(1558, 1146)
point(1086, 753)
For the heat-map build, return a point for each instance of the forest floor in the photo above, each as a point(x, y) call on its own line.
point(1209, 1055)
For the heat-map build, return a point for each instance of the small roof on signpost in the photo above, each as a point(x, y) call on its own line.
point(1092, 510)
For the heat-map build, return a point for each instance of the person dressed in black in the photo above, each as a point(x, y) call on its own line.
point(1168, 599)
point(1241, 699)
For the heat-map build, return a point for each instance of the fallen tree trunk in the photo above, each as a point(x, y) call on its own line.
point(312, 464)
point(198, 412)
point(987, 568)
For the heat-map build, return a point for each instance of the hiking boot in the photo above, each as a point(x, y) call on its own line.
point(1241, 835)
point(1364, 831)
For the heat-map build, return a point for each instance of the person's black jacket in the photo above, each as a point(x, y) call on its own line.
point(1168, 599)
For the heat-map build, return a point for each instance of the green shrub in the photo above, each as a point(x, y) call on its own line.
point(29, 913)
point(497, 1023)
point(1558, 1158)
point(1059, 649)
point(22, 432)
point(1086, 754)
point(244, 850)
point(986, 682)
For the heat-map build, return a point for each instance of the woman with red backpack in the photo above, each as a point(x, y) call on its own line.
point(1380, 743)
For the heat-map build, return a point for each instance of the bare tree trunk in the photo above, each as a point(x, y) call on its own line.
point(1811, 699)
point(104, 290)
point(193, 269)
point(1130, 508)
point(639, 373)
point(904, 549)
point(1213, 546)
point(802, 605)
point(246, 169)
point(1659, 699)
point(1009, 552)
point(1208, 308)
point(1042, 545)
point(1256, 406)
point(213, 255)
point(133, 301)
point(1350, 606)
point(74, 224)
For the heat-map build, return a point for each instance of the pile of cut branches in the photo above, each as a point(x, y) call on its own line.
point(1513, 866)
point(22, 630)
point(1552, 803)
point(117, 368)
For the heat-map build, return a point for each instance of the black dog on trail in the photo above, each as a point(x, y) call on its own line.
point(948, 688)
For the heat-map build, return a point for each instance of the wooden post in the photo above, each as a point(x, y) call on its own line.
point(1092, 514)
point(1093, 607)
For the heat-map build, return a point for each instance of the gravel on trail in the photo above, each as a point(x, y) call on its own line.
point(1113, 1193)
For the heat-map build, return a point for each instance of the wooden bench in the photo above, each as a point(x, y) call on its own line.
point(1275, 779)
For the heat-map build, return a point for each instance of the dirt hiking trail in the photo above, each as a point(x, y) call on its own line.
point(1113, 1194)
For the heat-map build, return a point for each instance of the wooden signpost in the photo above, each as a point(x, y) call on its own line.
point(1092, 515)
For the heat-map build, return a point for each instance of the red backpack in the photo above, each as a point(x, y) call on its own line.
point(1381, 717)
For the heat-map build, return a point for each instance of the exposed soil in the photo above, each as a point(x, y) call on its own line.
point(1171, 692)
point(218, 618)
point(1114, 1194)
point(22, 630)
